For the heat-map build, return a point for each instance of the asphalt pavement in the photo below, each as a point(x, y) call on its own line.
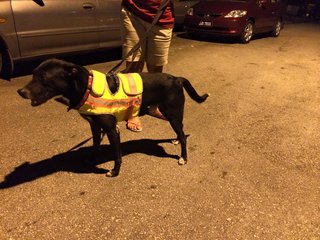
point(253, 170)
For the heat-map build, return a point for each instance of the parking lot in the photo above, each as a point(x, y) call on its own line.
point(253, 170)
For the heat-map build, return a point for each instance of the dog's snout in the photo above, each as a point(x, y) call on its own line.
point(24, 93)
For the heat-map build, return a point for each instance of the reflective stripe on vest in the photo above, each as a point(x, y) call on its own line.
point(124, 104)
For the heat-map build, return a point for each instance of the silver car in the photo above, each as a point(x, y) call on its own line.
point(33, 28)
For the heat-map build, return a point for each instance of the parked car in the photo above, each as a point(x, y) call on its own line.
point(40, 28)
point(236, 18)
point(33, 28)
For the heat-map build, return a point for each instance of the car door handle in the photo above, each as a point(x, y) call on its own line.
point(39, 2)
point(88, 6)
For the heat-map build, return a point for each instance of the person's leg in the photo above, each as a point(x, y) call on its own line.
point(157, 56)
point(131, 33)
point(134, 123)
point(157, 48)
point(134, 67)
point(154, 111)
point(154, 69)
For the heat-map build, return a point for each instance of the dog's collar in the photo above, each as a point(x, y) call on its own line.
point(87, 92)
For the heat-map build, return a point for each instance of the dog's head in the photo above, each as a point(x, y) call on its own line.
point(51, 78)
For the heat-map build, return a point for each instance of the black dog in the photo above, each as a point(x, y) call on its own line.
point(59, 78)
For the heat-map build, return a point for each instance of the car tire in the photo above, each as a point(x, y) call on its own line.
point(1, 62)
point(6, 64)
point(247, 33)
point(276, 29)
point(191, 35)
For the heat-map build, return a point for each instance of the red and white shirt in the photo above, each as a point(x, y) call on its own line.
point(147, 10)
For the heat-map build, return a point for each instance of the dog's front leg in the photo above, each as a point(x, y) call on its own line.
point(109, 125)
point(96, 134)
point(114, 140)
point(96, 137)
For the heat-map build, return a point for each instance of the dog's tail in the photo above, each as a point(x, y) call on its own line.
point(192, 92)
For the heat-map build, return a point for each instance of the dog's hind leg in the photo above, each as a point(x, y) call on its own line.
point(175, 117)
point(177, 127)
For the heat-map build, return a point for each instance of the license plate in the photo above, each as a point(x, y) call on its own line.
point(205, 24)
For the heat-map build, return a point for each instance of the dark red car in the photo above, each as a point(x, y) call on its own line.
point(238, 18)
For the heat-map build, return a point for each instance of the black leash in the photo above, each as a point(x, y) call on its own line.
point(133, 51)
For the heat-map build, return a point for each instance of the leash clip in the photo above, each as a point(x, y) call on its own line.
point(113, 76)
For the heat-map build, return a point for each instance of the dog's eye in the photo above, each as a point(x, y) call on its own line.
point(40, 78)
point(45, 81)
point(46, 84)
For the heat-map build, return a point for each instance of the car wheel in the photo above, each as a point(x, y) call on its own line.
point(6, 64)
point(277, 29)
point(247, 32)
point(191, 35)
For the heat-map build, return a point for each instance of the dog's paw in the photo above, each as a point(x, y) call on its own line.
point(112, 173)
point(175, 141)
point(182, 161)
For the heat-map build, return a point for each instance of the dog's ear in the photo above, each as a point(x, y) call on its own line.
point(76, 71)
point(77, 83)
point(78, 76)
point(73, 72)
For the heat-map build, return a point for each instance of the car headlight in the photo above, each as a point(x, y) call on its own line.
point(236, 14)
point(190, 12)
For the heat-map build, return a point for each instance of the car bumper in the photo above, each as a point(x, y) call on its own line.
point(216, 26)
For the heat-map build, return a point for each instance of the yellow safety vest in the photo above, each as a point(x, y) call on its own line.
point(123, 104)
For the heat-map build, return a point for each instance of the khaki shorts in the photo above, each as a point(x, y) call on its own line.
point(154, 49)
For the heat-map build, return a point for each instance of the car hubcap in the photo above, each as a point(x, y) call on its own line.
point(248, 32)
